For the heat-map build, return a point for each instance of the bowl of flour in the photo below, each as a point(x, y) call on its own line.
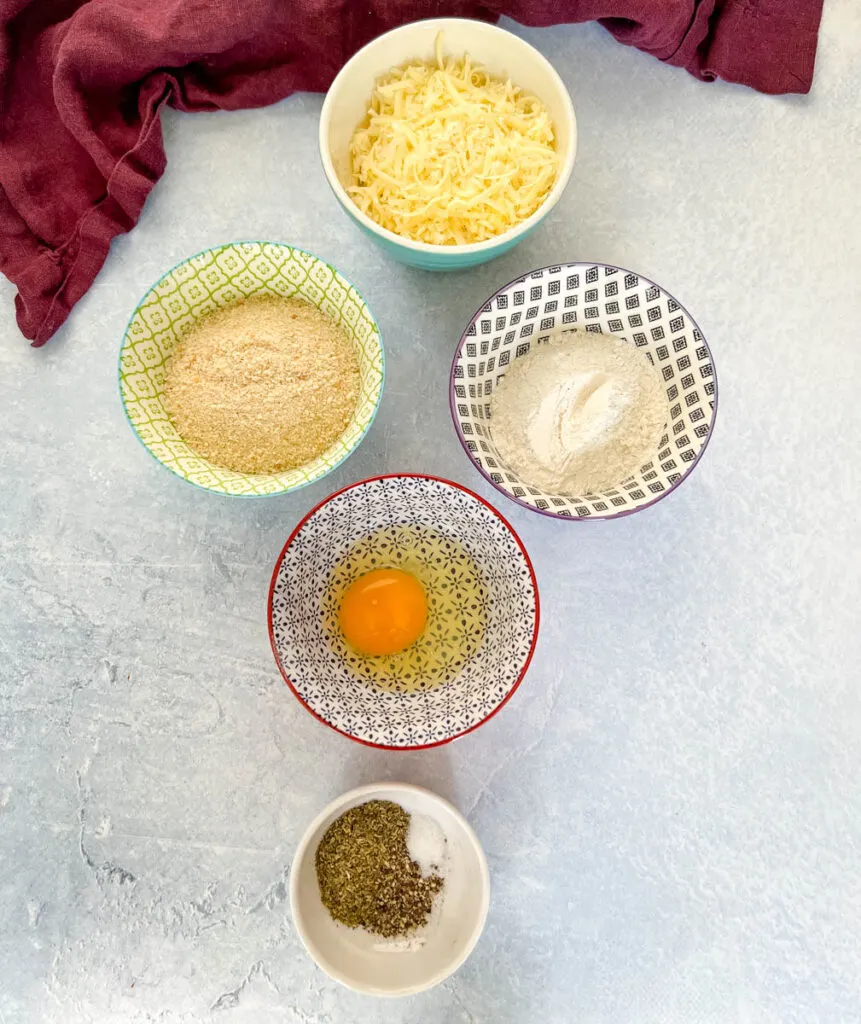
point(583, 391)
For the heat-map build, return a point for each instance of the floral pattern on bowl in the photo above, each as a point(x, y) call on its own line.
point(326, 684)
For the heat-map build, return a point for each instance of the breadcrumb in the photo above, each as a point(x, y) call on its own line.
point(262, 386)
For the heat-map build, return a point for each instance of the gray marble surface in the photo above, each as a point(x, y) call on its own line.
point(670, 805)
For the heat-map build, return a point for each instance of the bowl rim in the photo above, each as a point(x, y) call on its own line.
point(489, 244)
point(369, 790)
point(622, 513)
point(283, 490)
point(535, 627)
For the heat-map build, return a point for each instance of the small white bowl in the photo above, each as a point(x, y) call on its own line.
point(348, 954)
point(503, 54)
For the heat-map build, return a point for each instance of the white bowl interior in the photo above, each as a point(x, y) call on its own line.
point(325, 683)
point(604, 299)
point(349, 955)
point(502, 53)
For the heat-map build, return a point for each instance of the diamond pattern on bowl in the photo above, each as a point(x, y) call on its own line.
point(601, 299)
point(325, 683)
point(217, 278)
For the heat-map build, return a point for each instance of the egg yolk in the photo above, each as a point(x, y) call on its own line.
point(383, 612)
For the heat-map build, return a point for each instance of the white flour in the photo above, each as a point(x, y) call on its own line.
point(578, 414)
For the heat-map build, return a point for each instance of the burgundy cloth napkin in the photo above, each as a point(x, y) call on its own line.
point(82, 83)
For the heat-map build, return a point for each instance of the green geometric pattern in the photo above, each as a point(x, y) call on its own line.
point(216, 278)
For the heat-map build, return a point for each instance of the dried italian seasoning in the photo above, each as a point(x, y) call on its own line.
point(366, 876)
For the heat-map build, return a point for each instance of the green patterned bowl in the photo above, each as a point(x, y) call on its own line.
point(215, 278)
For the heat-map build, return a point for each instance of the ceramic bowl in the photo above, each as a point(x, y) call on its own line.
point(504, 54)
point(605, 299)
point(353, 956)
point(219, 277)
point(329, 687)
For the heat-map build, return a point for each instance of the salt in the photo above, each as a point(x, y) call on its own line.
point(426, 844)
point(407, 944)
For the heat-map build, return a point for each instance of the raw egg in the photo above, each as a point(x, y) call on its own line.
point(383, 611)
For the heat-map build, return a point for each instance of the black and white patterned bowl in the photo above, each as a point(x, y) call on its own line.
point(324, 683)
point(604, 299)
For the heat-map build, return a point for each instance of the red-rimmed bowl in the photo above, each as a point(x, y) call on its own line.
point(603, 299)
point(328, 686)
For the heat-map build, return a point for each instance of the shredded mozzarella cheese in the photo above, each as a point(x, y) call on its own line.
point(450, 155)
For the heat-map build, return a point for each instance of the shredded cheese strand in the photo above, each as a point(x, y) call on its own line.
point(450, 155)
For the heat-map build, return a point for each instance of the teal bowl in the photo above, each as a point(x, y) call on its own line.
point(503, 54)
point(435, 257)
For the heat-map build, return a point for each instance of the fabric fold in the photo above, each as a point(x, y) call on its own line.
point(83, 82)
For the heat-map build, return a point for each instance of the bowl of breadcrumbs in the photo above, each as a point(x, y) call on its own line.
point(251, 369)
